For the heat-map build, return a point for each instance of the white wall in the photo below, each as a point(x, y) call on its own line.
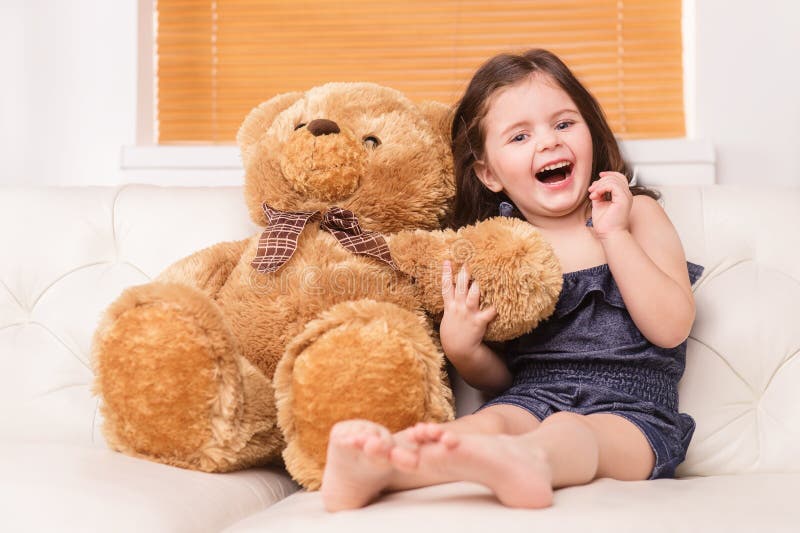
point(747, 87)
point(68, 97)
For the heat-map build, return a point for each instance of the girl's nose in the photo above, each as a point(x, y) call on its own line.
point(546, 141)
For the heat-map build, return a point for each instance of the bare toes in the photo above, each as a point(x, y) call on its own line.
point(377, 446)
point(357, 433)
point(357, 467)
point(449, 439)
point(417, 433)
point(434, 432)
point(404, 459)
point(424, 433)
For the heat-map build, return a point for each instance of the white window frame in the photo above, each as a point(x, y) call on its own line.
point(146, 86)
point(686, 161)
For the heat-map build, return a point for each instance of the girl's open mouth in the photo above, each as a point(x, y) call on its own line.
point(555, 175)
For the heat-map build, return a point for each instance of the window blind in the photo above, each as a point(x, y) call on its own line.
point(216, 60)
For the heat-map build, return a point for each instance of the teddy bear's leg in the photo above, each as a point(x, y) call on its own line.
point(173, 387)
point(361, 359)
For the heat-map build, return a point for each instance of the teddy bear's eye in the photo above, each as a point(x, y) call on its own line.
point(371, 142)
point(299, 126)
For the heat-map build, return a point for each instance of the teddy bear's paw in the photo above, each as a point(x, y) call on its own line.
point(517, 272)
point(171, 384)
point(363, 359)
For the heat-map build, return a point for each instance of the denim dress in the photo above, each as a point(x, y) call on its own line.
point(589, 357)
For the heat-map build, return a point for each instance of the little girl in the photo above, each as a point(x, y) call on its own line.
point(592, 391)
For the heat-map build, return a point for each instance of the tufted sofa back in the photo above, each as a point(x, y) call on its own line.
point(742, 379)
point(68, 252)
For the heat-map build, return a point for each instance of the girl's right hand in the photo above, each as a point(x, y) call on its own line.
point(464, 322)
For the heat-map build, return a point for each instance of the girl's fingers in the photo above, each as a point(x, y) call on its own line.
point(462, 282)
point(473, 297)
point(614, 177)
point(607, 182)
point(447, 282)
point(613, 174)
point(608, 187)
point(603, 183)
point(465, 297)
point(598, 186)
point(601, 193)
point(619, 190)
point(488, 314)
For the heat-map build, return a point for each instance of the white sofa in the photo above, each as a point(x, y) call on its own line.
point(68, 252)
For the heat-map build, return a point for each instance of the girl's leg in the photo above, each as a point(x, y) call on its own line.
point(625, 453)
point(501, 419)
point(359, 462)
point(505, 419)
point(522, 470)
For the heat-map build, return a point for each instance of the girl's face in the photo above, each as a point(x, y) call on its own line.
point(538, 149)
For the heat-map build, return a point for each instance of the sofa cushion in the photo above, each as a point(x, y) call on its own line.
point(58, 487)
point(741, 503)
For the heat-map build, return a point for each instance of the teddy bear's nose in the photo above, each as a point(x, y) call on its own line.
point(322, 126)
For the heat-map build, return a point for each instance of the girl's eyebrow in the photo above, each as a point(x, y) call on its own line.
point(566, 110)
point(513, 127)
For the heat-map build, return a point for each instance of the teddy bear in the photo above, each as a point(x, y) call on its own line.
point(248, 352)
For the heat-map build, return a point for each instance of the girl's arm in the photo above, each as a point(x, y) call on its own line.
point(483, 369)
point(461, 332)
point(647, 261)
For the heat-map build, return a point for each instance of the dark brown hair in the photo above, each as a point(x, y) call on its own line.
point(475, 202)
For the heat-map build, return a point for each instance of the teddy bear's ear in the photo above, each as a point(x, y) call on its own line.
point(439, 116)
point(259, 120)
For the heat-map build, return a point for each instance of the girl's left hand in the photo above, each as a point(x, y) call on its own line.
point(464, 323)
point(610, 215)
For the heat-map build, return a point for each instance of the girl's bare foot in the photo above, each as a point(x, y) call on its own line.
point(510, 466)
point(405, 455)
point(357, 468)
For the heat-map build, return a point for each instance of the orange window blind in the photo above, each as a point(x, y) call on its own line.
point(216, 60)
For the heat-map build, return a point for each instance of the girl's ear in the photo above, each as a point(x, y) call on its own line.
point(487, 177)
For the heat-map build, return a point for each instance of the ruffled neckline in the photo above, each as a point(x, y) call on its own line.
point(591, 270)
point(578, 284)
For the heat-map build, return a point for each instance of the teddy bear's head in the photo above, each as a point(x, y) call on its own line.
point(359, 146)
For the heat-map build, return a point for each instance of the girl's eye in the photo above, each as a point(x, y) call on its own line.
point(563, 125)
point(519, 137)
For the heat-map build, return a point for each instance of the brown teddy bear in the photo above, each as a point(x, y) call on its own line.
point(249, 349)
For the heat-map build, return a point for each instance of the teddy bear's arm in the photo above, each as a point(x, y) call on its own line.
point(514, 266)
point(208, 269)
point(419, 254)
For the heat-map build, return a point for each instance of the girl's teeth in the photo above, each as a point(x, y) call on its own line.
point(555, 166)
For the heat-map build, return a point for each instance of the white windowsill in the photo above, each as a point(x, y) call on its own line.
point(657, 162)
point(178, 157)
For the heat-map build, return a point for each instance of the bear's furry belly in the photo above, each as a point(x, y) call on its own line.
point(266, 310)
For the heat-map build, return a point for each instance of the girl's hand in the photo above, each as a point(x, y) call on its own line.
point(611, 215)
point(464, 323)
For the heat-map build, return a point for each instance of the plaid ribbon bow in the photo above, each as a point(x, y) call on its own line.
point(279, 241)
